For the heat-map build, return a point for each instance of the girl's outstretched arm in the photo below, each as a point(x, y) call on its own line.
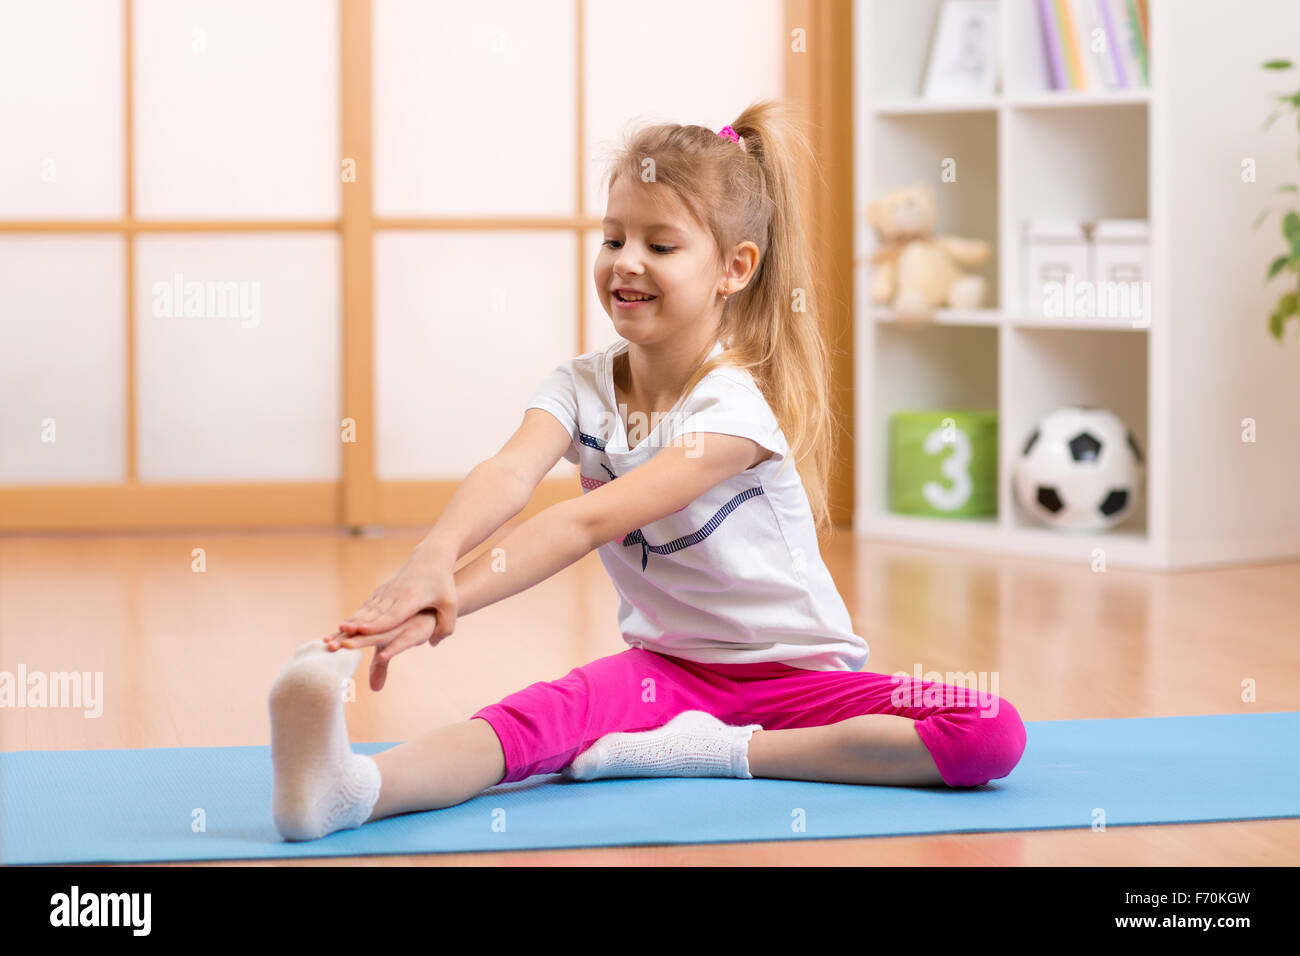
point(488, 497)
point(499, 488)
point(560, 535)
point(492, 493)
point(544, 544)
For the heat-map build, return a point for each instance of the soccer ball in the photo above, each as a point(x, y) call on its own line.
point(1080, 470)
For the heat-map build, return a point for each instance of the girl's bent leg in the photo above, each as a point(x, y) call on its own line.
point(871, 748)
point(971, 736)
point(440, 769)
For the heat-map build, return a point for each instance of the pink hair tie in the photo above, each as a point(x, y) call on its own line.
point(729, 133)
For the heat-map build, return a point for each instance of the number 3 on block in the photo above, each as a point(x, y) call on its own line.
point(954, 468)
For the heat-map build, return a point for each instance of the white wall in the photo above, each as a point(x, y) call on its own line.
point(1228, 497)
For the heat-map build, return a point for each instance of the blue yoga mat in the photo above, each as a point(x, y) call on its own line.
point(87, 806)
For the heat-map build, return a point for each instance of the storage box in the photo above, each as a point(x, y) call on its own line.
point(1054, 250)
point(1120, 250)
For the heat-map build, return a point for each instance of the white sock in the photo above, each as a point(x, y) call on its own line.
point(320, 785)
point(692, 744)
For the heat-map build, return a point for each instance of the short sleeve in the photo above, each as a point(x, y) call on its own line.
point(726, 406)
point(558, 395)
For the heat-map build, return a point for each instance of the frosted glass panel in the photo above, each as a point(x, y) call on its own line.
point(239, 358)
point(600, 327)
point(62, 364)
point(474, 108)
point(467, 326)
point(713, 58)
point(237, 109)
point(61, 102)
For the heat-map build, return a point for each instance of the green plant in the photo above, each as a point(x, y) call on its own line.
point(1288, 306)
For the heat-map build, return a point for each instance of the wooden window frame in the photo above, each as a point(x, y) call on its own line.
point(817, 74)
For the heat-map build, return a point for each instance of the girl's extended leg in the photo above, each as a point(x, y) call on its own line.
point(439, 769)
point(320, 785)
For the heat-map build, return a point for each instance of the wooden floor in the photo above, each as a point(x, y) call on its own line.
point(188, 658)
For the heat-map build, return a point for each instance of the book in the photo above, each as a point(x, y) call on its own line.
point(1053, 53)
point(1125, 67)
point(1069, 44)
point(1128, 48)
point(1104, 37)
point(1137, 30)
point(1091, 36)
point(1083, 36)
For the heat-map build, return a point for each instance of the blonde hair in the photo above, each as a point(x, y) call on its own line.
point(749, 191)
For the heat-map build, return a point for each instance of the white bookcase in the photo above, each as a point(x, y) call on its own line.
point(1185, 381)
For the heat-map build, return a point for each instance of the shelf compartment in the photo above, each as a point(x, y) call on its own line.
point(917, 149)
point(1051, 368)
point(928, 367)
point(1080, 165)
point(1100, 152)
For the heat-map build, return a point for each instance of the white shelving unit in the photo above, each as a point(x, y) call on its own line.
point(1029, 152)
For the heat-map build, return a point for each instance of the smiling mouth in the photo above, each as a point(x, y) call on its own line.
point(619, 296)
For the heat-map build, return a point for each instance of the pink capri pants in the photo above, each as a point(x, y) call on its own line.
point(542, 728)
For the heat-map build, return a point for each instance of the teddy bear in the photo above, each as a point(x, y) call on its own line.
point(916, 269)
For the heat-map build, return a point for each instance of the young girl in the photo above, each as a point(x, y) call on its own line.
point(742, 659)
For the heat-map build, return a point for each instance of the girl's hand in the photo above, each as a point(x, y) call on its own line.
point(416, 630)
point(425, 582)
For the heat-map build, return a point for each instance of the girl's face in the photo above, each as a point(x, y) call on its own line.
point(653, 246)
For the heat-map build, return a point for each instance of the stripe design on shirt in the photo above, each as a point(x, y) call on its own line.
point(591, 441)
point(591, 484)
point(695, 537)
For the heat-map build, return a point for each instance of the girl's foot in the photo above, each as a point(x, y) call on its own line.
point(320, 785)
point(692, 744)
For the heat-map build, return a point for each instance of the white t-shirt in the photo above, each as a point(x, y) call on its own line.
point(737, 575)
